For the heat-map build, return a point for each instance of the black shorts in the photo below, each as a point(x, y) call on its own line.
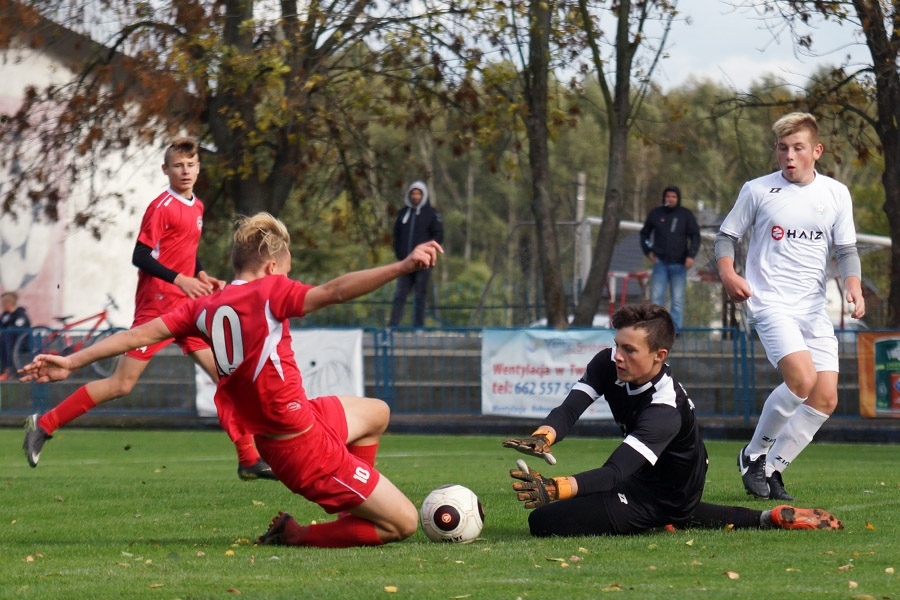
point(629, 509)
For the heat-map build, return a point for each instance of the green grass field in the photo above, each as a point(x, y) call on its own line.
point(144, 514)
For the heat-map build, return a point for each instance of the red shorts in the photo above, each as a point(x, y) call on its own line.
point(189, 344)
point(317, 465)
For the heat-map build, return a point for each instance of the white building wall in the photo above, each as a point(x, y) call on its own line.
point(59, 268)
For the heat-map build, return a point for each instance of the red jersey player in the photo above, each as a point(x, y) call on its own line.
point(169, 274)
point(322, 448)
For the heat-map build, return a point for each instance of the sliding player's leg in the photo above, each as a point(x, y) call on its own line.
point(385, 516)
point(367, 419)
point(319, 466)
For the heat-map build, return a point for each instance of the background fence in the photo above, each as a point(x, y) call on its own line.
point(438, 371)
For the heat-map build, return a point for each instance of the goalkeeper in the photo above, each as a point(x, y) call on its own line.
point(655, 477)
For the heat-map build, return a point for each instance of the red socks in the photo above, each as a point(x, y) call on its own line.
point(68, 410)
point(346, 532)
point(246, 450)
point(365, 453)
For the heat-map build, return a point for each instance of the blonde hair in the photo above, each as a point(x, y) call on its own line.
point(182, 146)
point(9, 296)
point(794, 122)
point(258, 239)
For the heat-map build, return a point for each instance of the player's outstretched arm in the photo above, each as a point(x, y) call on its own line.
point(537, 444)
point(359, 283)
point(49, 367)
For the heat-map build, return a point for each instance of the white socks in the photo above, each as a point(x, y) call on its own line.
point(796, 436)
point(778, 409)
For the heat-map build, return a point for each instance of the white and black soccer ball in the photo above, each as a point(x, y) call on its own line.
point(452, 513)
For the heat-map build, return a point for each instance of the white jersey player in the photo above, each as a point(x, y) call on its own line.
point(795, 217)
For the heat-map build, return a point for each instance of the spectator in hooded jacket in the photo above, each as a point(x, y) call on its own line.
point(671, 239)
point(418, 223)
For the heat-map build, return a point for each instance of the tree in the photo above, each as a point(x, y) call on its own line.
point(281, 96)
point(632, 21)
point(536, 93)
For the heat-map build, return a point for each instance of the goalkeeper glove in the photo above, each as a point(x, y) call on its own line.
point(537, 490)
point(537, 445)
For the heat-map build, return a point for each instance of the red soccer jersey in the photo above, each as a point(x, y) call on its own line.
point(247, 327)
point(171, 227)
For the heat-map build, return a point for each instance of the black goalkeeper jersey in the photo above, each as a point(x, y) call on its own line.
point(662, 452)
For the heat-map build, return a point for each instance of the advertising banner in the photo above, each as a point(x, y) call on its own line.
point(527, 373)
point(878, 361)
point(330, 361)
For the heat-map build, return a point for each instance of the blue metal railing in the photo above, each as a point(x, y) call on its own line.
point(438, 371)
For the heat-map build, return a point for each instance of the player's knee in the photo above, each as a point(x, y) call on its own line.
point(825, 403)
point(380, 415)
point(403, 524)
point(803, 386)
point(119, 387)
point(541, 523)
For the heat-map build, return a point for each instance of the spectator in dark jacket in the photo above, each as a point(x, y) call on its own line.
point(15, 320)
point(671, 239)
point(419, 222)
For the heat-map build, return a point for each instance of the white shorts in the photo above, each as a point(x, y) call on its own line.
point(783, 334)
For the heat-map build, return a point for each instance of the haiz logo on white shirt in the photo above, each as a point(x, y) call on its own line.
point(779, 233)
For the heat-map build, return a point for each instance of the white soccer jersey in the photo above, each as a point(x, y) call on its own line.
point(793, 229)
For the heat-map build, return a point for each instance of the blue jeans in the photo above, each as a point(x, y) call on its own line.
point(418, 282)
point(673, 276)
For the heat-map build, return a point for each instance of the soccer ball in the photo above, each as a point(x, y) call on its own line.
point(452, 513)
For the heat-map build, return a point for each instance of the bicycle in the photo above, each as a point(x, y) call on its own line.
point(66, 340)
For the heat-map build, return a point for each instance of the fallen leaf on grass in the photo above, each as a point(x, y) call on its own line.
point(201, 553)
point(689, 542)
point(29, 558)
point(258, 503)
point(156, 585)
point(732, 575)
point(234, 591)
point(229, 553)
point(574, 558)
point(852, 585)
point(846, 567)
point(613, 587)
point(460, 597)
point(869, 526)
point(889, 570)
point(390, 588)
point(585, 551)
point(554, 559)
